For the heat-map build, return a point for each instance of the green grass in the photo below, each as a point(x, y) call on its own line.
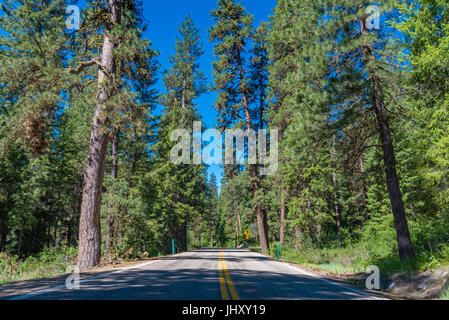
point(356, 258)
point(48, 263)
point(445, 295)
point(337, 268)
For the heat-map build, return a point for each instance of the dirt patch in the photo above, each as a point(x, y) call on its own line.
point(422, 286)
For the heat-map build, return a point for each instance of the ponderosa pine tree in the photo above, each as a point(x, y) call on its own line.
point(301, 116)
point(283, 49)
point(181, 187)
point(122, 55)
point(231, 32)
point(355, 68)
point(89, 251)
point(32, 79)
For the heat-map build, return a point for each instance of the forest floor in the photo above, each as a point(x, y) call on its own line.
point(427, 285)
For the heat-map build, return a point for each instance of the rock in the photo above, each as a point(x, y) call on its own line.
point(438, 273)
point(423, 285)
point(445, 287)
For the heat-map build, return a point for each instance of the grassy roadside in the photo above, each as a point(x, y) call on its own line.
point(427, 280)
point(49, 263)
point(54, 262)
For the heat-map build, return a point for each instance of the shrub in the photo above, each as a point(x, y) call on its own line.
point(49, 262)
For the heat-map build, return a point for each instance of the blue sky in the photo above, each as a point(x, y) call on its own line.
point(163, 19)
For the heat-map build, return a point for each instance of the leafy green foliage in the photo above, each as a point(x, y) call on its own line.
point(49, 262)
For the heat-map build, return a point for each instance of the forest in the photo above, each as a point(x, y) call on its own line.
point(358, 92)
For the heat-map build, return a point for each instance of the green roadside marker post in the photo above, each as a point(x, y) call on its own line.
point(173, 246)
point(278, 250)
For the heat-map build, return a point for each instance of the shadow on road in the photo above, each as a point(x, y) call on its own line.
point(183, 277)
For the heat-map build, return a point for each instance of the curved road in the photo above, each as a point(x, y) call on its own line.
point(206, 274)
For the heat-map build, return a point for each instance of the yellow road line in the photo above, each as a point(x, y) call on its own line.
point(224, 291)
point(224, 270)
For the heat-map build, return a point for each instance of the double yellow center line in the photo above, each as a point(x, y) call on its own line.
point(225, 280)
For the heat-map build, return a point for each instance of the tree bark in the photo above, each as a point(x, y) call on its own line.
point(238, 227)
point(183, 98)
point(403, 236)
point(298, 244)
point(334, 182)
point(90, 231)
point(281, 231)
point(363, 194)
point(3, 229)
point(114, 173)
point(318, 234)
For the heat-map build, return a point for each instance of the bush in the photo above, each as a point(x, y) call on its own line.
point(49, 262)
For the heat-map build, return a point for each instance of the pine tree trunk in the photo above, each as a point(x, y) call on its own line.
point(236, 233)
point(183, 99)
point(298, 244)
point(281, 231)
point(400, 220)
point(19, 244)
point(403, 236)
point(334, 182)
point(337, 210)
point(405, 246)
point(362, 195)
point(239, 227)
point(3, 230)
point(114, 173)
point(90, 231)
point(308, 232)
point(184, 237)
point(319, 230)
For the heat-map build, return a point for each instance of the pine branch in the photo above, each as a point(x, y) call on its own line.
point(84, 65)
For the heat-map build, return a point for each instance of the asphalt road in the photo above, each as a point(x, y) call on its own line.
point(207, 274)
